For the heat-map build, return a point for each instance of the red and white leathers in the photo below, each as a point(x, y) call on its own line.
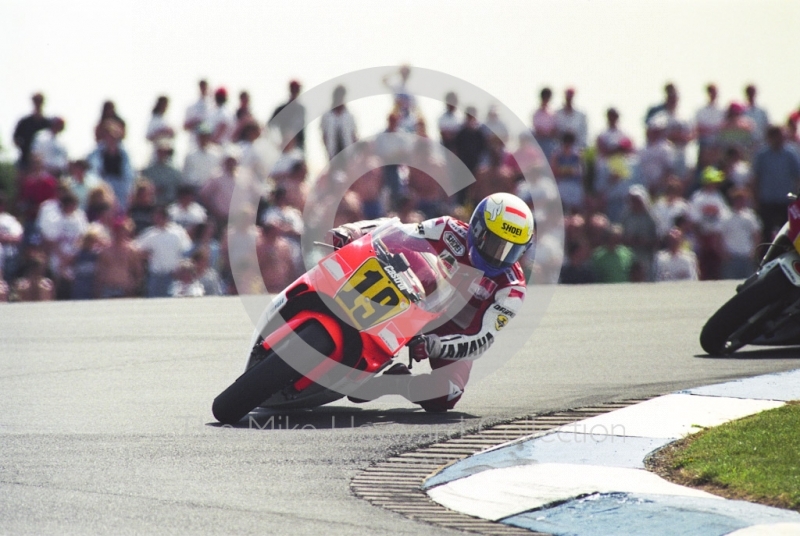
point(492, 303)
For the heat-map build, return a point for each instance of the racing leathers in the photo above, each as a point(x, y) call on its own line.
point(489, 303)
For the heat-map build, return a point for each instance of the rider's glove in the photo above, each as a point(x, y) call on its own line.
point(424, 347)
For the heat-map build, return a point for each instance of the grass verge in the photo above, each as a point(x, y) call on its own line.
point(755, 459)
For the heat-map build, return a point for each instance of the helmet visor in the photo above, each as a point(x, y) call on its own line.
point(498, 251)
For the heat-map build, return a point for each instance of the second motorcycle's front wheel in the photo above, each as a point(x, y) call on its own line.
point(743, 317)
point(270, 374)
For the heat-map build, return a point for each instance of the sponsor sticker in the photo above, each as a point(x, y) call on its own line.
point(460, 230)
point(501, 322)
point(454, 244)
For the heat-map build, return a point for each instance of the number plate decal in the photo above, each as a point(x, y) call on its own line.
point(370, 297)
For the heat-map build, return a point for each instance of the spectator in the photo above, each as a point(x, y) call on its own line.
point(612, 140)
point(242, 117)
point(737, 131)
point(399, 85)
point(657, 160)
point(111, 162)
point(741, 233)
point(369, 187)
point(287, 218)
point(639, 229)
point(495, 174)
point(220, 119)
point(81, 180)
point(707, 210)
point(338, 125)
point(62, 230)
point(186, 284)
point(202, 162)
point(777, 173)
point(392, 146)
point(254, 152)
point(494, 126)
point(158, 130)
point(142, 206)
point(544, 124)
point(185, 211)
point(569, 119)
point(217, 193)
point(293, 120)
point(670, 93)
point(670, 206)
point(26, 130)
point(756, 114)
point(198, 113)
point(100, 201)
point(84, 266)
point(678, 132)
point(738, 172)
point(428, 195)
point(206, 274)
point(37, 187)
point(241, 248)
point(449, 122)
point(708, 121)
point(34, 285)
point(10, 238)
point(578, 269)
point(119, 270)
point(278, 256)
point(108, 117)
point(611, 260)
point(164, 176)
point(164, 245)
point(676, 263)
point(470, 143)
point(47, 144)
point(568, 172)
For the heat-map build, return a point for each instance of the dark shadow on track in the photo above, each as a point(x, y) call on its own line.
point(337, 418)
point(783, 352)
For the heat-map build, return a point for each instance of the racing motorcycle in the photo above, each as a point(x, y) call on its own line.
point(342, 322)
point(765, 309)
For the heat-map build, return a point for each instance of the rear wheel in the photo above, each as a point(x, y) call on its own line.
point(270, 374)
point(743, 317)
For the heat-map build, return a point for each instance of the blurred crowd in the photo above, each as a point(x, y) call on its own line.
point(695, 202)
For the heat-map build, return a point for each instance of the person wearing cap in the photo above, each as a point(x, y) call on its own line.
point(202, 162)
point(293, 120)
point(707, 210)
point(26, 130)
point(163, 174)
point(570, 119)
point(48, 145)
point(776, 170)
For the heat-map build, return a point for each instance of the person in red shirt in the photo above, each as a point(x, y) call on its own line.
point(37, 187)
point(499, 232)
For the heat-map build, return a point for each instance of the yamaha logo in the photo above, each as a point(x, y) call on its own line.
point(513, 229)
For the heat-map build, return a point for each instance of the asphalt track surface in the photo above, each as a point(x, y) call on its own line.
point(106, 425)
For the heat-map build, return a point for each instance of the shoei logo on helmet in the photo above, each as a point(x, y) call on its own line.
point(512, 229)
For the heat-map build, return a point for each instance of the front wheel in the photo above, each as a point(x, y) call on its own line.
point(270, 374)
point(743, 317)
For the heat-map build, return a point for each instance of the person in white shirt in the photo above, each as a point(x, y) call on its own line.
point(165, 245)
point(186, 283)
point(568, 119)
point(657, 160)
point(676, 263)
point(158, 129)
point(338, 125)
point(203, 162)
point(185, 211)
point(221, 120)
point(757, 114)
point(670, 206)
point(707, 210)
point(450, 121)
point(47, 144)
point(741, 233)
point(10, 236)
point(197, 113)
point(709, 118)
point(62, 227)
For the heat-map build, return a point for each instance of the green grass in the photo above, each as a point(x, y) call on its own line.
point(756, 458)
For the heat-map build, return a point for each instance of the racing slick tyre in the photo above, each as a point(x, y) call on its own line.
point(742, 318)
point(270, 375)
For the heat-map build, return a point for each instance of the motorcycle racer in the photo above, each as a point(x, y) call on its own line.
point(499, 232)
